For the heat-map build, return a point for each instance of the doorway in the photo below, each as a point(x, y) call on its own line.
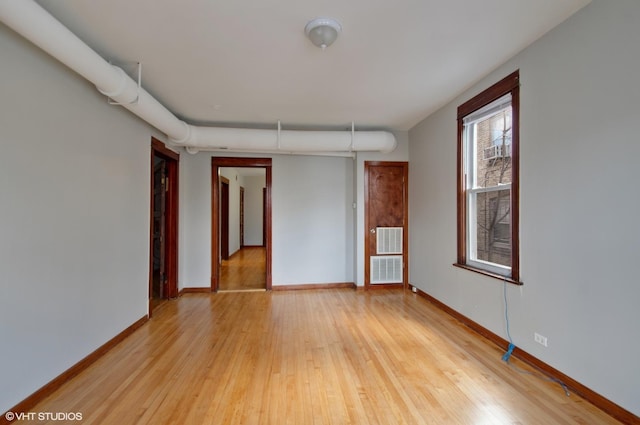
point(224, 218)
point(386, 224)
point(248, 259)
point(163, 263)
point(242, 217)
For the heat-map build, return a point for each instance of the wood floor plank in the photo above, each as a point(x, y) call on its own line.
point(244, 270)
point(334, 356)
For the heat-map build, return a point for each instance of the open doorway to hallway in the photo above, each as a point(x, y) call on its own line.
point(241, 224)
point(242, 213)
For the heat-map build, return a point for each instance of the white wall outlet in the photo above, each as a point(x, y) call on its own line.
point(540, 339)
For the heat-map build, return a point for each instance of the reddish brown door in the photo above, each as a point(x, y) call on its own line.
point(386, 224)
point(224, 219)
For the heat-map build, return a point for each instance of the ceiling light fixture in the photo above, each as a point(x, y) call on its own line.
point(322, 31)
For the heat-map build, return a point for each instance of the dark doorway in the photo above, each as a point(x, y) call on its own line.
point(158, 263)
point(224, 218)
point(241, 217)
point(264, 217)
point(163, 274)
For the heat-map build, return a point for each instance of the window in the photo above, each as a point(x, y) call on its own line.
point(488, 181)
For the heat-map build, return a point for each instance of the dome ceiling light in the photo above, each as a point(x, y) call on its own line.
point(323, 31)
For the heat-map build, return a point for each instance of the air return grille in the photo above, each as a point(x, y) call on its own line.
point(386, 269)
point(389, 240)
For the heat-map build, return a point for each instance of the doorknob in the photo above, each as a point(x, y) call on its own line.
point(372, 230)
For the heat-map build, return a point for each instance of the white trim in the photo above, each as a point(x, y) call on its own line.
point(490, 267)
point(470, 162)
point(487, 110)
point(501, 186)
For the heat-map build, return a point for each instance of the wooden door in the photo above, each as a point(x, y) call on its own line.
point(224, 219)
point(386, 224)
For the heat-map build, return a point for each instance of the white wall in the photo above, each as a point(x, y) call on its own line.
point(312, 220)
point(235, 182)
point(74, 219)
point(253, 186)
point(253, 209)
point(579, 204)
point(194, 265)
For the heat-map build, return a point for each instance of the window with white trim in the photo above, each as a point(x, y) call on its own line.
point(488, 181)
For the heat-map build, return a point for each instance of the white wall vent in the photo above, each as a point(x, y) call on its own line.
point(386, 269)
point(389, 240)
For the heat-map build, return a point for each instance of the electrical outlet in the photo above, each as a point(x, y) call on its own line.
point(540, 339)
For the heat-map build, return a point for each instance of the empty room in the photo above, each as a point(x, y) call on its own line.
point(365, 212)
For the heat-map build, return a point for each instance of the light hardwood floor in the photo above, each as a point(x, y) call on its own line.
point(335, 356)
point(244, 270)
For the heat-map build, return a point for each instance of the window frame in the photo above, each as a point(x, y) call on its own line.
point(508, 85)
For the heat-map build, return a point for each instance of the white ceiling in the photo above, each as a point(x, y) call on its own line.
point(248, 63)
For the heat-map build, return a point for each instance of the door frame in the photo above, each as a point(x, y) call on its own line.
point(241, 217)
point(172, 159)
point(405, 227)
point(216, 164)
point(264, 216)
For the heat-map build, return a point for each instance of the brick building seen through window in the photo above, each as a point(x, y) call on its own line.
point(493, 168)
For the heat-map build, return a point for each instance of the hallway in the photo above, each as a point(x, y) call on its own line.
point(244, 270)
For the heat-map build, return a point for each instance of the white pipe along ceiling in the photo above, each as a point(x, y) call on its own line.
point(35, 24)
